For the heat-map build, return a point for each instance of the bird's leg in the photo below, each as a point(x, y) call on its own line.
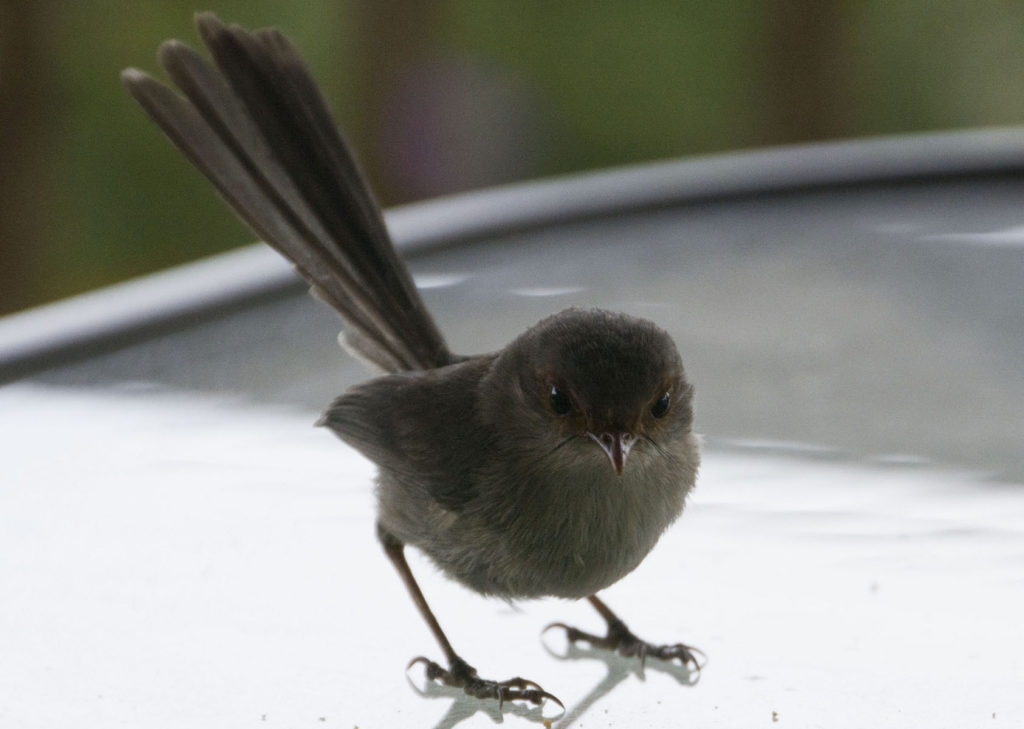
point(620, 638)
point(459, 674)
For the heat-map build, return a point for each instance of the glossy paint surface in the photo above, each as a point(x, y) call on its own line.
point(180, 547)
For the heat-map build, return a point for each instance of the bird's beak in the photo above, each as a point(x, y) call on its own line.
point(616, 444)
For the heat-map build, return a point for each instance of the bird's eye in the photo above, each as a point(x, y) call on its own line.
point(660, 407)
point(560, 402)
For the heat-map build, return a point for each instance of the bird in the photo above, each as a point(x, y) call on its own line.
point(548, 468)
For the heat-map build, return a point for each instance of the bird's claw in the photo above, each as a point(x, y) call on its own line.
point(574, 635)
point(685, 655)
point(462, 675)
point(620, 639)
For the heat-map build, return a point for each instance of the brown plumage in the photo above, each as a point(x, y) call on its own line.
point(549, 468)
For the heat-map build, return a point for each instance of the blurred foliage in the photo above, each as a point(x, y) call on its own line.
point(444, 96)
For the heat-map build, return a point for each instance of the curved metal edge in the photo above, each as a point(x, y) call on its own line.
point(104, 320)
point(501, 210)
point(69, 330)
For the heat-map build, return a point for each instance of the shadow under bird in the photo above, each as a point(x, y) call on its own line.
point(548, 468)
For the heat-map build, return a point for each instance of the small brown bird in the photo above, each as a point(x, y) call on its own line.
point(550, 467)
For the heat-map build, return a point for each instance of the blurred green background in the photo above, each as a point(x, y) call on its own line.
point(440, 96)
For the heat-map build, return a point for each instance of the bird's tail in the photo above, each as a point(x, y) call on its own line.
point(255, 123)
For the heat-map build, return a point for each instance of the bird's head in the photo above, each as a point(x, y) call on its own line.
point(603, 382)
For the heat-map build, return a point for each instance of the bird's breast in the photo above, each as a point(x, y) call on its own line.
point(575, 530)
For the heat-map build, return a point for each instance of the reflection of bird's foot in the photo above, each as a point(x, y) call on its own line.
point(462, 675)
point(619, 638)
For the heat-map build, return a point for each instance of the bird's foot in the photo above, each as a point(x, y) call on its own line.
point(460, 674)
point(621, 639)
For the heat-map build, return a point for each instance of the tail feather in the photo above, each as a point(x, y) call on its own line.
point(257, 126)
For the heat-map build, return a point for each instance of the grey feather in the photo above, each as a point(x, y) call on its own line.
point(258, 128)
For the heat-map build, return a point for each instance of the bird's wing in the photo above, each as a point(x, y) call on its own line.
point(422, 427)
